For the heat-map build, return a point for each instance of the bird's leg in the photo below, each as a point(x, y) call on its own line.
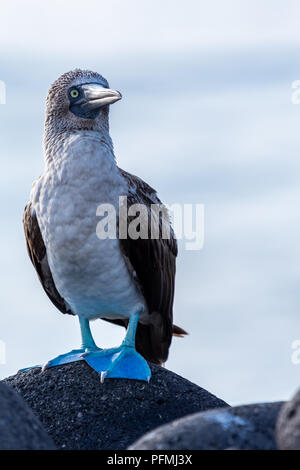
point(87, 344)
point(122, 362)
point(87, 340)
point(129, 339)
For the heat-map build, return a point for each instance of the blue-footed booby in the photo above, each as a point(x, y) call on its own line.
point(124, 280)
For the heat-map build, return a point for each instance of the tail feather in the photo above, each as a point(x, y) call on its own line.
point(180, 332)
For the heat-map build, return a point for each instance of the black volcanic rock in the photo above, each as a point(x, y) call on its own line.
point(20, 429)
point(79, 412)
point(288, 425)
point(242, 427)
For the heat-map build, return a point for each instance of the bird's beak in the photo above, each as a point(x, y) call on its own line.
point(96, 96)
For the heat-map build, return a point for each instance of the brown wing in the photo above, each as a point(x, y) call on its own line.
point(153, 261)
point(37, 253)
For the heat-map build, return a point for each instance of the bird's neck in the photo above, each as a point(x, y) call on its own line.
point(64, 145)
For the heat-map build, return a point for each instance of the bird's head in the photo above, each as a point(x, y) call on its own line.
point(79, 99)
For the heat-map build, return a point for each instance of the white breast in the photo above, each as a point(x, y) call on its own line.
point(90, 274)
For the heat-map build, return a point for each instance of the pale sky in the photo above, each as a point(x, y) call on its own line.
point(145, 26)
point(206, 117)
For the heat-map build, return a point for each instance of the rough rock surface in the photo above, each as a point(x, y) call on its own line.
point(288, 425)
point(79, 412)
point(243, 427)
point(20, 429)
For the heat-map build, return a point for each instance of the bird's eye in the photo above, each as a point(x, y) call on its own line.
point(74, 93)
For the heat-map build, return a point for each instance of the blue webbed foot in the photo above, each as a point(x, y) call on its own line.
point(30, 367)
point(123, 362)
point(71, 356)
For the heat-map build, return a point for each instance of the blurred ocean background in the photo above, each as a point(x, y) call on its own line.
point(206, 117)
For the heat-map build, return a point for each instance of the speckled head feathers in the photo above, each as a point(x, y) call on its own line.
point(58, 90)
point(58, 114)
point(74, 77)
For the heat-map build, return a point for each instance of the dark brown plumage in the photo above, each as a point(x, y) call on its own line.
point(154, 261)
